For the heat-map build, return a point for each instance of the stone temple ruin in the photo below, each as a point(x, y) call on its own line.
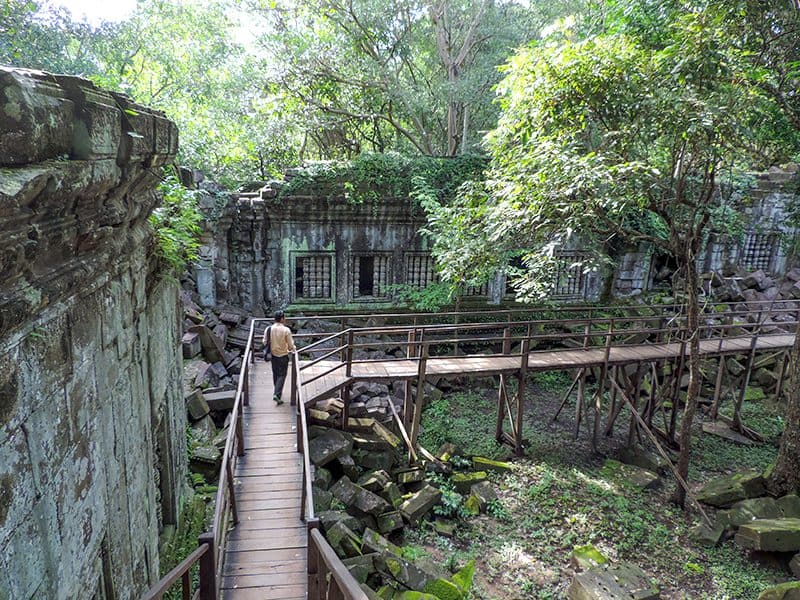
point(312, 250)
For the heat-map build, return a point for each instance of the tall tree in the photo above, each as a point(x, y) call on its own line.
point(613, 137)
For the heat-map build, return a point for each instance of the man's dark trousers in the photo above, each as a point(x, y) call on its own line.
point(280, 364)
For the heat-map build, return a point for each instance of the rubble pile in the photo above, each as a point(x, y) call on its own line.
point(366, 492)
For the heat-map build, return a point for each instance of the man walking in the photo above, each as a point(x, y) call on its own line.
point(280, 344)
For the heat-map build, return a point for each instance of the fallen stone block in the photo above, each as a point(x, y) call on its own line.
point(629, 474)
point(418, 505)
point(480, 463)
point(407, 573)
point(644, 459)
point(372, 541)
point(723, 430)
point(729, 489)
point(748, 510)
point(446, 452)
point(320, 417)
point(360, 424)
point(220, 400)
point(387, 436)
point(375, 459)
point(348, 466)
point(361, 567)
point(463, 481)
point(789, 506)
point(484, 492)
point(444, 528)
point(213, 348)
point(392, 494)
point(406, 476)
point(390, 521)
point(794, 565)
point(190, 343)
point(624, 582)
point(322, 499)
point(770, 535)
point(368, 442)
point(196, 405)
point(230, 319)
point(343, 540)
point(374, 481)
point(707, 536)
point(322, 478)
point(785, 591)
point(472, 505)
point(586, 557)
point(329, 518)
point(329, 446)
point(206, 376)
point(355, 496)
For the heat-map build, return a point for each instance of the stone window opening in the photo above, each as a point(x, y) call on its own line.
point(370, 276)
point(312, 277)
point(758, 250)
point(479, 291)
point(570, 281)
point(420, 270)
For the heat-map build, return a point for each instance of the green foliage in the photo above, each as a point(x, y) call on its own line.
point(552, 380)
point(412, 552)
point(735, 575)
point(496, 509)
point(461, 419)
point(176, 224)
point(370, 176)
point(428, 299)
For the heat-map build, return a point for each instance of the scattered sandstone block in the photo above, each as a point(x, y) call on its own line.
point(624, 582)
point(355, 496)
point(190, 342)
point(785, 591)
point(586, 557)
point(220, 400)
point(344, 540)
point(329, 446)
point(196, 405)
point(771, 535)
point(729, 489)
point(418, 505)
point(480, 463)
point(463, 481)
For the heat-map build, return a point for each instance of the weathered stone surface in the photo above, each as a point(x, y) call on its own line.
point(361, 567)
point(92, 416)
point(484, 492)
point(374, 481)
point(322, 478)
point(374, 459)
point(444, 528)
point(708, 536)
point(725, 491)
point(407, 573)
point(794, 566)
point(375, 542)
point(771, 535)
point(355, 496)
point(220, 401)
point(418, 505)
point(191, 345)
point(639, 457)
point(463, 481)
point(328, 518)
point(196, 405)
point(789, 506)
point(343, 540)
point(785, 591)
point(629, 474)
point(472, 505)
point(749, 510)
point(586, 557)
point(414, 475)
point(322, 499)
point(389, 522)
point(329, 446)
point(480, 463)
point(348, 466)
point(624, 582)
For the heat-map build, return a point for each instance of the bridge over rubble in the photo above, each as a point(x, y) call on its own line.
point(265, 541)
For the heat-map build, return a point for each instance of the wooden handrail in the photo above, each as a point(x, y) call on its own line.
point(342, 584)
point(166, 582)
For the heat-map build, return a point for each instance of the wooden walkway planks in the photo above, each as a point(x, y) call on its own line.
point(265, 557)
point(541, 360)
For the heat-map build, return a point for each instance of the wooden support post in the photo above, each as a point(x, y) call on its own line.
point(420, 399)
point(231, 493)
point(346, 392)
point(717, 388)
point(502, 400)
point(601, 384)
point(633, 429)
point(245, 372)
point(348, 356)
point(781, 375)
point(208, 568)
point(566, 396)
point(579, 403)
point(676, 390)
point(408, 401)
point(612, 405)
point(240, 433)
point(737, 411)
point(523, 374)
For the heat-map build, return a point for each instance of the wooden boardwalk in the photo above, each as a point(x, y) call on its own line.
point(265, 557)
point(541, 360)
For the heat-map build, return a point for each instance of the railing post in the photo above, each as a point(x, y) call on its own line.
point(245, 372)
point(293, 363)
point(349, 353)
point(208, 568)
point(239, 434)
point(313, 562)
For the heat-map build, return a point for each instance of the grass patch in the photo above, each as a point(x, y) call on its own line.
point(735, 577)
point(465, 419)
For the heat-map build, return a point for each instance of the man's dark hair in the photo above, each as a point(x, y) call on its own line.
point(279, 315)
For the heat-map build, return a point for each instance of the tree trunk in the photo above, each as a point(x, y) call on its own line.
point(785, 475)
point(693, 393)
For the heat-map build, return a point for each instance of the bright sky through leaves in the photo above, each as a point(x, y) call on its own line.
point(95, 11)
